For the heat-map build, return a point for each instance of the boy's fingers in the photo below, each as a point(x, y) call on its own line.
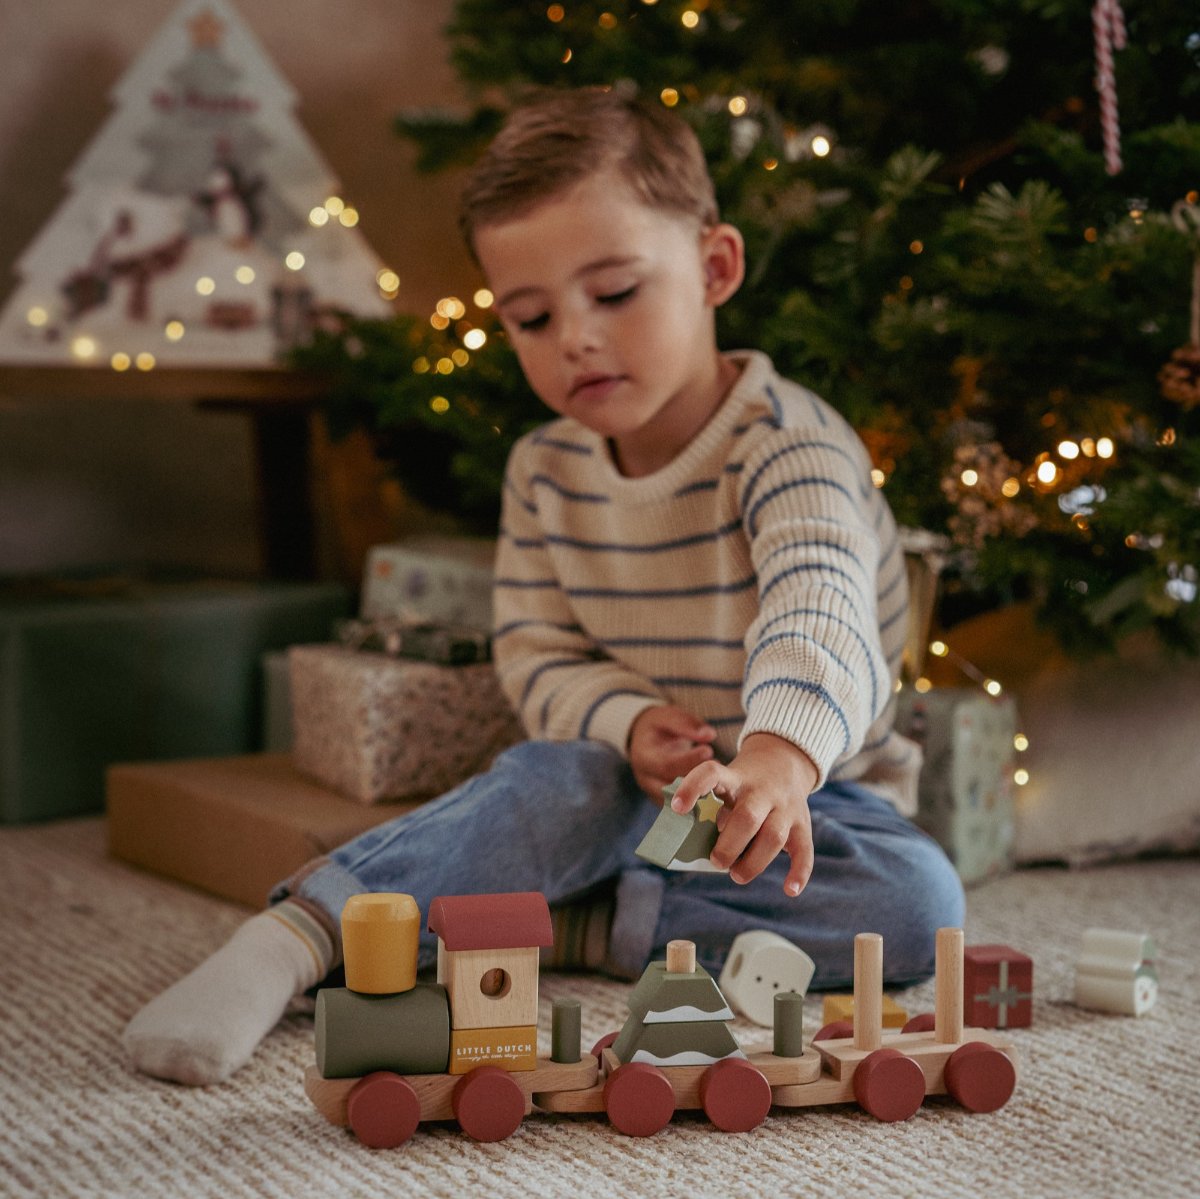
point(800, 850)
point(705, 777)
point(764, 847)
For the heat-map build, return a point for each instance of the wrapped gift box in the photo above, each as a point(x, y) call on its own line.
point(378, 728)
point(997, 987)
point(232, 826)
point(447, 579)
point(101, 671)
point(966, 789)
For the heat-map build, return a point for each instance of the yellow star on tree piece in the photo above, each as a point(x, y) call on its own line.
point(707, 807)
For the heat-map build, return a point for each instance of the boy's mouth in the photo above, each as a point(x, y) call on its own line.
point(593, 386)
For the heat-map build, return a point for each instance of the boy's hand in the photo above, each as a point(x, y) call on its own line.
point(666, 742)
point(765, 790)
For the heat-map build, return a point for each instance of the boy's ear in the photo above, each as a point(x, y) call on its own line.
point(723, 254)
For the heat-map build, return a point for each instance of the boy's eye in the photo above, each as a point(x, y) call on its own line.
point(534, 323)
point(618, 297)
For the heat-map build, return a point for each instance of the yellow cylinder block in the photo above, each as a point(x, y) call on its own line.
point(379, 942)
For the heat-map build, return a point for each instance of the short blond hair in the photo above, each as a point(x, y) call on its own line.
point(559, 137)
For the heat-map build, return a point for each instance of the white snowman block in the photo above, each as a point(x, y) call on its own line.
point(762, 964)
point(1116, 972)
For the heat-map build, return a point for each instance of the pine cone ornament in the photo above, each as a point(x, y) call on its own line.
point(1179, 379)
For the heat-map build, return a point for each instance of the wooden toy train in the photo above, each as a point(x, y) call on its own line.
point(392, 1052)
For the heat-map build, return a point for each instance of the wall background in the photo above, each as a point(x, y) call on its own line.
point(88, 483)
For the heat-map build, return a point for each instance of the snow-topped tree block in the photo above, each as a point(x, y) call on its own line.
point(682, 840)
point(202, 225)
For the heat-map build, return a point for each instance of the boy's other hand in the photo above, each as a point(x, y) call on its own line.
point(666, 743)
point(765, 790)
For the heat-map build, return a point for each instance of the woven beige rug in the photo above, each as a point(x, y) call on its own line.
point(1106, 1105)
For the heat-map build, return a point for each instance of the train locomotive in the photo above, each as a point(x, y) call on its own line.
point(392, 1052)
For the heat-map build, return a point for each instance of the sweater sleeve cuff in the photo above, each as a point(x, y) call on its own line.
point(613, 718)
point(811, 722)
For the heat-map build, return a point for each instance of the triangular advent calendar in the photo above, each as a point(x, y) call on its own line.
point(203, 227)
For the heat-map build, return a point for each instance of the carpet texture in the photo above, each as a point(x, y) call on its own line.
point(1105, 1105)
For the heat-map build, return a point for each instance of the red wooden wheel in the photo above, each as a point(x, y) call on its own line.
point(488, 1104)
point(735, 1095)
point(602, 1044)
point(383, 1110)
point(835, 1031)
point(639, 1099)
point(980, 1076)
point(922, 1022)
point(889, 1085)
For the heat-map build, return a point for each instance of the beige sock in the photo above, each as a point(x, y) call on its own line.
point(208, 1024)
point(581, 932)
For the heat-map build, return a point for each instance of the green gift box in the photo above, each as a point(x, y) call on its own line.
point(100, 673)
point(965, 792)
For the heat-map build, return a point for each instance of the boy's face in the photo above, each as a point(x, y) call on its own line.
point(609, 305)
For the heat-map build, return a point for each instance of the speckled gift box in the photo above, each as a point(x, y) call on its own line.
point(377, 728)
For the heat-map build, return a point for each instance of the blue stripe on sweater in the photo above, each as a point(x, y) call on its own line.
point(555, 443)
point(804, 567)
point(793, 448)
point(652, 547)
point(670, 643)
point(586, 724)
point(514, 625)
point(844, 665)
point(683, 681)
point(583, 497)
point(811, 481)
point(665, 593)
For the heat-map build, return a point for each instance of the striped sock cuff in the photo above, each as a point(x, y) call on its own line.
point(581, 932)
point(312, 932)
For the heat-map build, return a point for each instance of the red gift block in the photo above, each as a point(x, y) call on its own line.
point(997, 987)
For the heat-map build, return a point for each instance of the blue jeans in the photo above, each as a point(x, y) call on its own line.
point(564, 818)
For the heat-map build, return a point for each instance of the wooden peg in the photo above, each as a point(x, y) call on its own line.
point(948, 1000)
point(868, 991)
point(681, 957)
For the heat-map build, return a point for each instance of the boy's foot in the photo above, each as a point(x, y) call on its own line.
point(209, 1023)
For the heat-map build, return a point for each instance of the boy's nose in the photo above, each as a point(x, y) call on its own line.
point(577, 335)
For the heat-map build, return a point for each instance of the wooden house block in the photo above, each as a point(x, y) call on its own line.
point(489, 988)
point(488, 956)
point(997, 987)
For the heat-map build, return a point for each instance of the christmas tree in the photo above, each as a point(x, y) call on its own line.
point(972, 227)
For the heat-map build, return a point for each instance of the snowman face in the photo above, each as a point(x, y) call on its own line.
point(1145, 991)
point(761, 965)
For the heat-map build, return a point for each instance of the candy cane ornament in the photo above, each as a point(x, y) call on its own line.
point(1108, 28)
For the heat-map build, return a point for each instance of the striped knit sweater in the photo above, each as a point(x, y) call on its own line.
point(755, 581)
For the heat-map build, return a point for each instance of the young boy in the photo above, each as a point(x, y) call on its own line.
point(695, 577)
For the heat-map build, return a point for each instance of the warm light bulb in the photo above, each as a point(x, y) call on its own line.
point(969, 477)
point(1010, 487)
point(1068, 450)
point(669, 96)
point(174, 330)
point(294, 261)
point(1047, 472)
point(1020, 743)
point(387, 280)
point(348, 217)
point(83, 346)
point(1105, 447)
point(821, 146)
point(690, 18)
point(878, 477)
point(444, 366)
point(737, 106)
point(474, 339)
point(992, 687)
point(939, 649)
point(421, 365)
point(1021, 777)
point(483, 298)
point(145, 361)
point(460, 357)
point(555, 13)
point(121, 361)
point(205, 285)
point(244, 274)
point(334, 205)
point(37, 316)
point(922, 685)
point(440, 404)
point(318, 217)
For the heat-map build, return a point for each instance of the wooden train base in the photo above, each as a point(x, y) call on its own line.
point(887, 1074)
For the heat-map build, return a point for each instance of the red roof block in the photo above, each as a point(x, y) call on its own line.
point(519, 920)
